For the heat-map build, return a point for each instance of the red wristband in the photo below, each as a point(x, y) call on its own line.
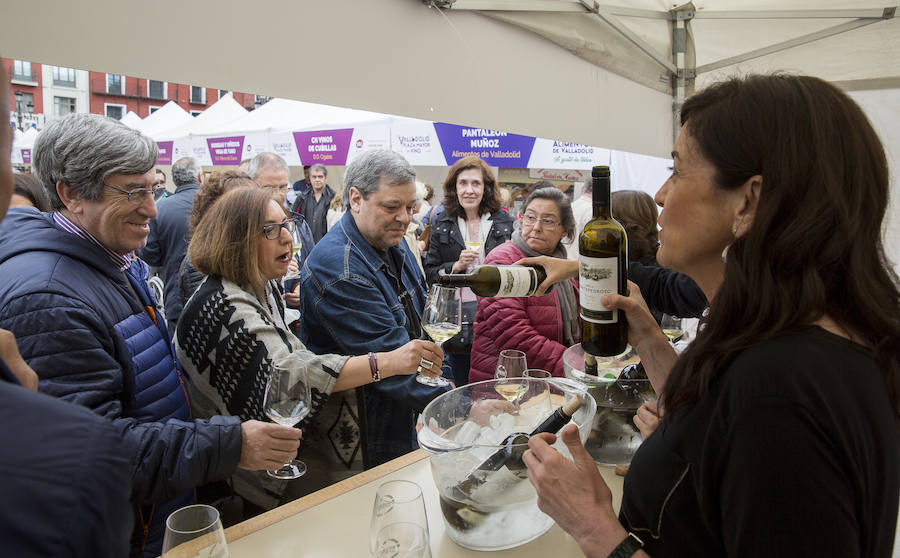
point(373, 367)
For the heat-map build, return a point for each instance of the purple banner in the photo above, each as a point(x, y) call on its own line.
point(498, 149)
point(328, 147)
point(165, 152)
point(226, 151)
point(26, 156)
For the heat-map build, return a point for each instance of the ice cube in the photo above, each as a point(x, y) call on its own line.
point(504, 422)
point(467, 434)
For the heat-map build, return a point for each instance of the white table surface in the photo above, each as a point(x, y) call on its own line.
point(334, 522)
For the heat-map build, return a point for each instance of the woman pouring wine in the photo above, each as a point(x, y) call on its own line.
point(782, 428)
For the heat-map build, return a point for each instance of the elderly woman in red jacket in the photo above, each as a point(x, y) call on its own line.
point(542, 327)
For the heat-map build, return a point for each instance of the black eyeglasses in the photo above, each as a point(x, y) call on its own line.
point(273, 230)
point(138, 195)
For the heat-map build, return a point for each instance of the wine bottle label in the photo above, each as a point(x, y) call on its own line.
point(517, 281)
point(597, 277)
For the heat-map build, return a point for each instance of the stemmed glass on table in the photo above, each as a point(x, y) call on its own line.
point(399, 527)
point(194, 531)
point(441, 321)
point(287, 401)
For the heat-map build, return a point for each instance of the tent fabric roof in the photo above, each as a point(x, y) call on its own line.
point(132, 120)
point(285, 114)
point(167, 117)
point(220, 113)
point(861, 54)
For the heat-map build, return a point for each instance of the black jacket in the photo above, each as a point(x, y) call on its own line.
point(667, 291)
point(305, 206)
point(167, 244)
point(447, 241)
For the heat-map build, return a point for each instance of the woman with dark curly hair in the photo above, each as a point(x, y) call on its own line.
point(470, 226)
point(29, 192)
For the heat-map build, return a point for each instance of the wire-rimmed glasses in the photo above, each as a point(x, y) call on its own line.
point(138, 195)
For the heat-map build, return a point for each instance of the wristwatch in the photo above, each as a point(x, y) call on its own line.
point(628, 547)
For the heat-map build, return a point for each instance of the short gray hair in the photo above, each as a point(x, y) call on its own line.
point(320, 167)
point(185, 171)
point(83, 150)
point(367, 171)
point(266, 161)
point(554, 194)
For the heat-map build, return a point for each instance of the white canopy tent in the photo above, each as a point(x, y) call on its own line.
point(607, 77)
point(222, 112)
point(166, 118)
point(132, 120)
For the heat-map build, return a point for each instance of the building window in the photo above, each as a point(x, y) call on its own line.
point(196, 112)
point(24, 102)
point(64, 77)
point(222, 93)
point(260, 100)
point(114, 83)
point(114, 111)
point(198, 95)
point(63, 106)
point(22, 71)
point(154, 109)
point(156, 89)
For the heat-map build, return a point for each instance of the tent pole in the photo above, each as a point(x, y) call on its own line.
point(683, 75)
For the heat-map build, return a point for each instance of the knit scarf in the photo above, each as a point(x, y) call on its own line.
point(568, 302)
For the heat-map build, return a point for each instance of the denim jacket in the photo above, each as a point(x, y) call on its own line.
point(351, 306)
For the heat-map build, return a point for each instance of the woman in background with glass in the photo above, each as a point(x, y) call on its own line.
point(233, 331)
point(470, 226)
point(541, 327)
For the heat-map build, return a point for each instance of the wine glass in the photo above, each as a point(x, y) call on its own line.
point(442, 320)
point(537, 398)
point(296, 246)
point(194, 531)
point(287, 401)
point(474, 243)
point(398, 503)
point(402, 540)
point(510, 369)
point(671, 327)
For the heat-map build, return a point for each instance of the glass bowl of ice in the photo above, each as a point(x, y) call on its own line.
point(476, 435)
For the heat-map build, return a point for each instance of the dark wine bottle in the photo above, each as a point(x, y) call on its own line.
point(602, 269)
point(633, 372)
point(497, 280)
point(510, 455)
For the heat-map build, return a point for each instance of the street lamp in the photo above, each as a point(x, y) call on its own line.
point(19, 96)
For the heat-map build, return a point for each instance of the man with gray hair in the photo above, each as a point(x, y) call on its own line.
point(78, 302)
point(167, 242)
point(313, 203)
point(363, 292)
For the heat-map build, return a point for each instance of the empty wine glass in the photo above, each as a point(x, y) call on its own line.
point(398, 503)
point(510, 369)
point(671, 327)
point(441, 321)
point(287, 401)
point(402, 540)
point(194, 531)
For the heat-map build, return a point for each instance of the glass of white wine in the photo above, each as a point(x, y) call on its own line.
point(287, 401)
point(442, 320)
point(296, 246)
point(194, 531)
point(671, 327)
point(511, 367)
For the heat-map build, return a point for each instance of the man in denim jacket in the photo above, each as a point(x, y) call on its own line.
point(363, 291)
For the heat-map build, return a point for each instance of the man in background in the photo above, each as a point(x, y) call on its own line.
point(313, 204)
point(299, 187)
point(167, 242)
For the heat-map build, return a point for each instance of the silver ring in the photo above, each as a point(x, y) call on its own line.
point(425, 363)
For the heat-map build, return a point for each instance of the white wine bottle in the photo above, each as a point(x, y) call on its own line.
point(602, 269)
point(497, 280)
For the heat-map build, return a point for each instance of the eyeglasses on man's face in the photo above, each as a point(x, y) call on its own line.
point(530, 219)
point(273, 230)
point(138, 195)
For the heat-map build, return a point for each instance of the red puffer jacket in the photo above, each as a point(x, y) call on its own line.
point(530, 324)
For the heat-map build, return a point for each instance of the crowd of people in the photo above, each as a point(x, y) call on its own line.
point(771, 238)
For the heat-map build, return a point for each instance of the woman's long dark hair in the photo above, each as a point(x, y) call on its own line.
point(814, 247)
point(489, 202)
point(636, 211)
